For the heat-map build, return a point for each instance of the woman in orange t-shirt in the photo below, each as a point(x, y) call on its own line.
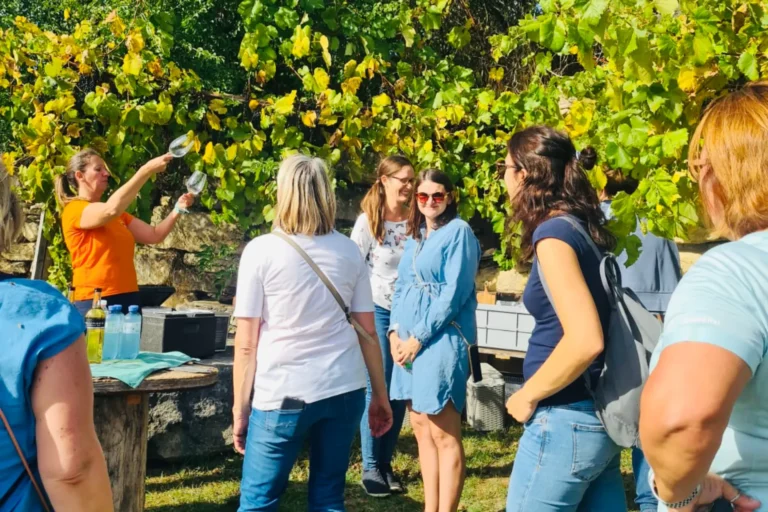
point(101, 236)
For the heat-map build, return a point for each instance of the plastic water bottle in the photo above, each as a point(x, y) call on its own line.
point(113, 332)
point(129, 346)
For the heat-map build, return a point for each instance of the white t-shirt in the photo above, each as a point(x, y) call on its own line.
point(382, 258)
point(307, 349)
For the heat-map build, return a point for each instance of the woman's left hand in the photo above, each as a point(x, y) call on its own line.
point(408, 351)
point(186, 201)
point(520, 406)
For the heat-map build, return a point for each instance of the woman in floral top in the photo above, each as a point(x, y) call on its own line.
point(380, 234)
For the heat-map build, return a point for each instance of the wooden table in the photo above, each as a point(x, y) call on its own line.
point(121, 416)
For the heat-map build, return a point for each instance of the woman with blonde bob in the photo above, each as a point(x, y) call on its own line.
point(46, 393)
point(296, 352)
point(704, 410)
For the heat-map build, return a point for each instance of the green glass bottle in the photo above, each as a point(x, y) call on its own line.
point(94, 329)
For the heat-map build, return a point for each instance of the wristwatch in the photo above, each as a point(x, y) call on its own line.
point(678, 504)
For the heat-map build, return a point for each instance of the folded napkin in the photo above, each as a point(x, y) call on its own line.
point(133, 371)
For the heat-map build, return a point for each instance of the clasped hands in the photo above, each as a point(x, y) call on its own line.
point(403, 352)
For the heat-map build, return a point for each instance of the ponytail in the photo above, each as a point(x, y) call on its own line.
point(66, 184)
point(373, 207)
point(374, 202)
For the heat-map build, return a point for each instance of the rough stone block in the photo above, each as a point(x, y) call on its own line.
point(16, 268)
point(154, 267)
point(193, 423)
point(20, 252)
point(194, 231)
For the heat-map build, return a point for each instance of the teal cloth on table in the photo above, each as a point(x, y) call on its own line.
point(132, 372)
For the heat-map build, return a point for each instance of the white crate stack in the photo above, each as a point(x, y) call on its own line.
point(504, 327)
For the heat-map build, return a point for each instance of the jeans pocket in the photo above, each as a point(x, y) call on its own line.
point(593, 450)
point(283, 422)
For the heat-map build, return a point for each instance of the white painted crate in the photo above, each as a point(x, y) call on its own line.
point(504, 327)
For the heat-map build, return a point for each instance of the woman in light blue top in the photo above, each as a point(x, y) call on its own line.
point(704, 410)
point(432, 322)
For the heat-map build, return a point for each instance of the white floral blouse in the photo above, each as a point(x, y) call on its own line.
point(382, 258)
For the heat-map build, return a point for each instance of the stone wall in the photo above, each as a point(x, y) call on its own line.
point(177, 261)
point(18, 259)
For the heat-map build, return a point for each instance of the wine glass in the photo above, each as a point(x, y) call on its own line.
point(196, 183)
point(180, 146)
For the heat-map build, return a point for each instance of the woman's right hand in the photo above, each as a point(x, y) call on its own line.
point(157, 165)
point(715, 487)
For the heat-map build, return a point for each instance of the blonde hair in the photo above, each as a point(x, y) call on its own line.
point(66, 184)
point(733, 138)
point(11, 215)
point(374, 201)
point(306, 204)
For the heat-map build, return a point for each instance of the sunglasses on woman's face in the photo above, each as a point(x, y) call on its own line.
point(437, 197)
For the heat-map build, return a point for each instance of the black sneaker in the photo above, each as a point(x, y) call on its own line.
point(374, 484)
point(392, 481)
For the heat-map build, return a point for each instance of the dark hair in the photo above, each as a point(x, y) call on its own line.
point(374, 203)
point(416, 218)
point(555, 182)
point(618, 182)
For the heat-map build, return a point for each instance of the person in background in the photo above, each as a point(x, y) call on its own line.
point(653, 278)
point(431, 326)
point(565, 459)
point(296, 352)
point(380, 232)
point(704, 409)
point(46, 393)
point(101, 236)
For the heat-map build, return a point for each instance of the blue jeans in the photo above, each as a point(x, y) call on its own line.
point(643, 494)
point(378, 452)
point(275, 439)
point(566, 462)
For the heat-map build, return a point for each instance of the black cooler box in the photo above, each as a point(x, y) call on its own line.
point(190, 332)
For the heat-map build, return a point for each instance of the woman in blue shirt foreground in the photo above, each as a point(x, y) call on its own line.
point(704, 409)
point(433, 320)
point(565, 460)
point(46, 393)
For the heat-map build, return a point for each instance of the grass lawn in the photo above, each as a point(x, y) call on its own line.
point(213, 484)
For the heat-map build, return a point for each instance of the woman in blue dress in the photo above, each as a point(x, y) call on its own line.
point(432, 324)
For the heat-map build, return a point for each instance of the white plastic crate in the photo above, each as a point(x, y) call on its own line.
point(504, 327)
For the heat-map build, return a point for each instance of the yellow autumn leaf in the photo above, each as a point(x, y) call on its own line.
point(687, 80)
point(300, 42)
point(73, 130)
point(214, 121)
point(210, 155)
point(326, 53)
point(351, 85)
point(309, 118)
point(66, 14)
point(132, 64)
point(579, 118)
point(327, 118)
point(322, 79)
point(155, 68)
point(659, 208)
point(135, 42)
point(217, 105)
point(284, 105)
point(496, 74)
point(8, 161)
point(232, 152)
point(253, 104)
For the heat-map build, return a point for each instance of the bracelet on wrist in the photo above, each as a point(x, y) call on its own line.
point(178, 209)
point(679, 504)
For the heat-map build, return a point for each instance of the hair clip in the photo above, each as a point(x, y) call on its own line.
point(578, 155)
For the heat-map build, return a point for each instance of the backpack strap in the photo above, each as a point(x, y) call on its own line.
point(328, 284)
point(31, 475)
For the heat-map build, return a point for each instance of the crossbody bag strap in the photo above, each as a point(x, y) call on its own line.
point(24, 462)
point(328, 284)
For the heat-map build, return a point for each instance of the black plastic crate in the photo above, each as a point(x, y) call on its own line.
point(222, 331)
point(193, 333)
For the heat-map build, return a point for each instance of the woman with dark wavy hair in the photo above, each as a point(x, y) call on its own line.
point(565, 460)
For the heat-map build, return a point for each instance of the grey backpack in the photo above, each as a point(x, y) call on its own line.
point(632, 335)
